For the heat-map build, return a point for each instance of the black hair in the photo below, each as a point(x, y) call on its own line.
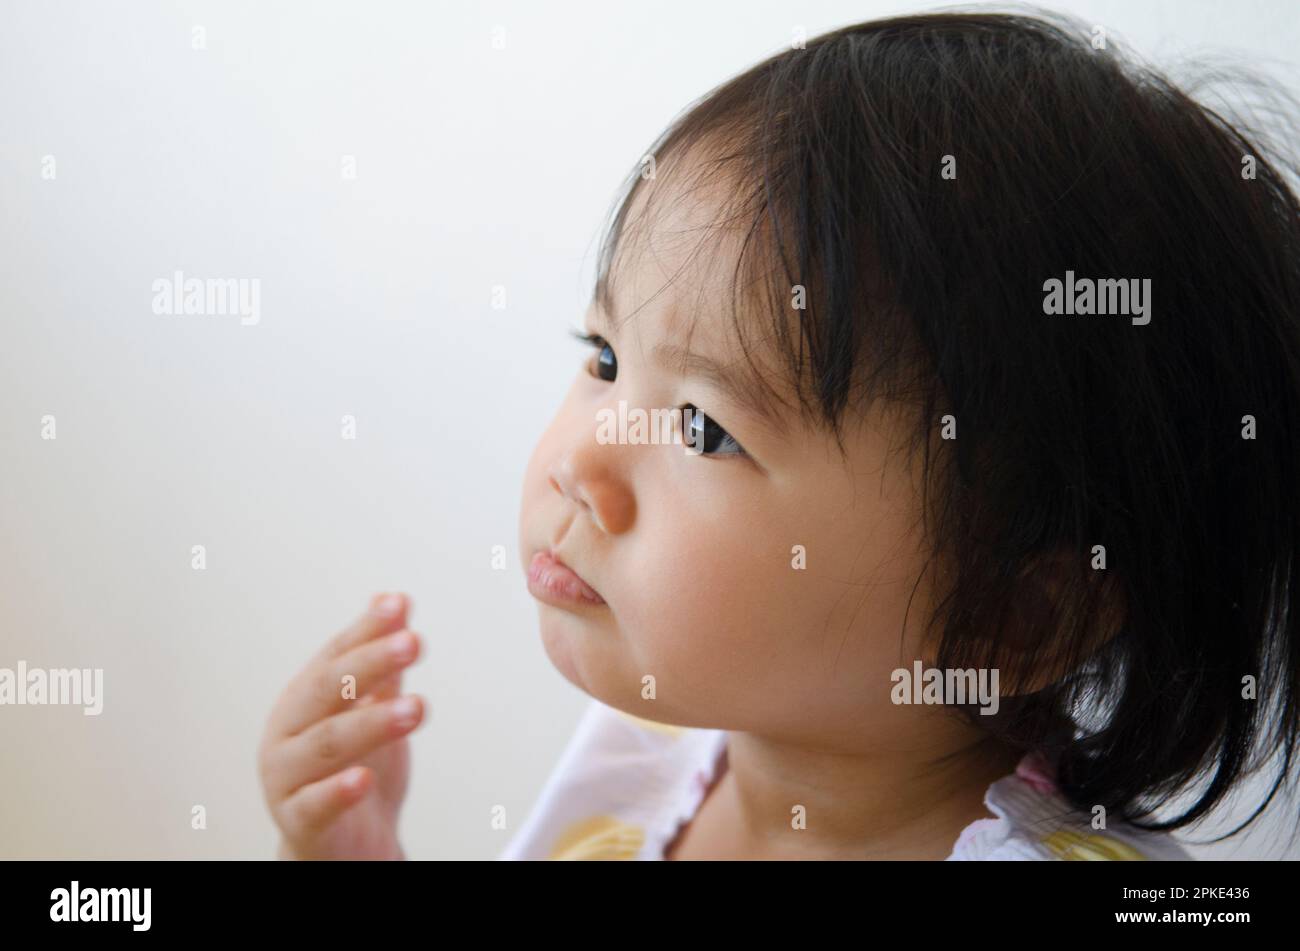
point(926, 289)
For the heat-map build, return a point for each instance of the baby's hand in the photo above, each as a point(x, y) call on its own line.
point(334, 769)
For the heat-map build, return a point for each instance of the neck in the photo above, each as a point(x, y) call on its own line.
point(883, 804)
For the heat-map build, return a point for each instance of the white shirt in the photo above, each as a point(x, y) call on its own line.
point(624, 787)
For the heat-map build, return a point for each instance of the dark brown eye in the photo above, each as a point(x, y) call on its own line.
point(707, 436)
point(606, 362)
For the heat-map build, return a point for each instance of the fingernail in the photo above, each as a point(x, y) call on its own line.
point(406, 710)
point(402, 644)
point(388, 605)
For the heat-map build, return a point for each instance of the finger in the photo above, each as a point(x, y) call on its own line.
point(386, 613)
point(330, 686)
point(338, 741)
point(311, 809)
point(387, 689)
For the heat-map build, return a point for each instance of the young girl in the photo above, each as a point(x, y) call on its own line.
point(977, 536)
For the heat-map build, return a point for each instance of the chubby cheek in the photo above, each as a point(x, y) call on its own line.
point(533, 494)
point(736, 635)
point(538, 503)
point(712, 616)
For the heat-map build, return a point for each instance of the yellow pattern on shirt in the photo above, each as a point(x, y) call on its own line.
point(668, 728)
point(1071, 846)
point(598, 838)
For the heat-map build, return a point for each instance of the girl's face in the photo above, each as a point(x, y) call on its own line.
point(696, 555)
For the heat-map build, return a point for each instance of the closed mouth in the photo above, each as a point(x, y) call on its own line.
point(551, 579)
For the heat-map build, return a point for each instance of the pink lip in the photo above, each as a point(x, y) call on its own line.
point(554, 582)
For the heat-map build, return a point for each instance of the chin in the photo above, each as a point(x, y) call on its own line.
point(558, 642)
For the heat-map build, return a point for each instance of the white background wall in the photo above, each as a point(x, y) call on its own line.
point(475, 167)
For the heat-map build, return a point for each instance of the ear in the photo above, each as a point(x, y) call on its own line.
point(1063, 612)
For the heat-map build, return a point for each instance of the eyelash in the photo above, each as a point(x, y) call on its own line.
point(599, 343)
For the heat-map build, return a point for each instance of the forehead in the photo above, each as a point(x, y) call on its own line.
point(673, 279)
point(675, 255)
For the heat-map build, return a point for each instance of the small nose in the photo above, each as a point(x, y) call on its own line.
point(585, 477)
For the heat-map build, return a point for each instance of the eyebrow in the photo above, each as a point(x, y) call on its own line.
point(738, 388)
